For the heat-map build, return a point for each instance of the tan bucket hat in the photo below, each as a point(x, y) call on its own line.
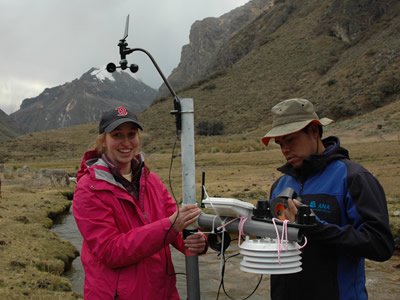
point(290, 116)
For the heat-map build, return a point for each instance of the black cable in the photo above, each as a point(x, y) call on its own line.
point(221, 284)
point(170, 171)
point(255, 289)
point(177, 206)
point(222, 279)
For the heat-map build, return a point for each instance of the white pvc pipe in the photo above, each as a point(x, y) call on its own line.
point(189, 190)
point(187, 149)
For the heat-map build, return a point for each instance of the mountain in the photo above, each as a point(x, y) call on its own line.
point(83, 100)
point(207, 37)
point(8, 128)
point(343, 55)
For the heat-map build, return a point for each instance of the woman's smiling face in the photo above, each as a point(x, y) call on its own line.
point(121, 145)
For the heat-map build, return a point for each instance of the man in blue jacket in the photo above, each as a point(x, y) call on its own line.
point(348, 201)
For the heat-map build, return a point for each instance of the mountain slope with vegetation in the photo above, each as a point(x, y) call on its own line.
point(7, 129)
point(342, 55)
point(207, 37)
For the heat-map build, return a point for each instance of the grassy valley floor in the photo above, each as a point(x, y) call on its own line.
point(33, 258)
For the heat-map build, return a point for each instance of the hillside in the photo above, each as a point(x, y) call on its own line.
point(7, 127)
point(207, 37)
point(6, 132)
point(342, 55)
point(68, 144)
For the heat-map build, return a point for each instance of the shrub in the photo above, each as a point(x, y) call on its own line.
point(390, 86)
point(210, 128)
point(331, 82)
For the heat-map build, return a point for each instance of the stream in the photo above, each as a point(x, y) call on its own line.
point(68, 230)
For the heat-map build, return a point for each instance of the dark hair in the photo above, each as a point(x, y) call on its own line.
point(320, 129)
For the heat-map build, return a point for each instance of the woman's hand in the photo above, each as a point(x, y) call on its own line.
point(196, 243)
point(186, 215)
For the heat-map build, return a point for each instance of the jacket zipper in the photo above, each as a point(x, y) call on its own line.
point(301, 189)
point(116, 287)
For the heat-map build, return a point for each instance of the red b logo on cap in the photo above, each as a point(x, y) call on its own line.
point(122, 112)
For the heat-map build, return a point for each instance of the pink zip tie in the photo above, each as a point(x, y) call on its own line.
point(305, 243)
point(241, 225)
point(282, 239)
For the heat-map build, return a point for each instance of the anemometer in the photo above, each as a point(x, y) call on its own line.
point(123, 65)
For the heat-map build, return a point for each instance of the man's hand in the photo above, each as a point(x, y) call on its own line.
point(291, 210)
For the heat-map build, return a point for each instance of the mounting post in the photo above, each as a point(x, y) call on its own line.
point(189, 191)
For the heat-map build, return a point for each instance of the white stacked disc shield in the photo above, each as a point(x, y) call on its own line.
point(266, 256)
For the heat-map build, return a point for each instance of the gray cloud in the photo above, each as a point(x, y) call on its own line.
point(45, 43)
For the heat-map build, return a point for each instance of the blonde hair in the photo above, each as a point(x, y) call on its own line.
point(99, 143)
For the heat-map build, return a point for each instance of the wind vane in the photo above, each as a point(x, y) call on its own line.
point(123, 51)
point(123, 64)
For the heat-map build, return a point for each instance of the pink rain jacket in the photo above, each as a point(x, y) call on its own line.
point(125, 251)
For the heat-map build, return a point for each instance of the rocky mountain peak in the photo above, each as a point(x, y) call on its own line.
point(82, 100)
point(205, 41)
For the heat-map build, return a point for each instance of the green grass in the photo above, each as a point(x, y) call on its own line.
point(32, 257)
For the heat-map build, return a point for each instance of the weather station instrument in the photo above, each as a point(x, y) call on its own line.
point(274, 250)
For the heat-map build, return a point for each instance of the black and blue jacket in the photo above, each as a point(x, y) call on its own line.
point(351, 208)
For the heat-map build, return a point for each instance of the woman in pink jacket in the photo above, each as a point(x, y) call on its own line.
point(128, 219)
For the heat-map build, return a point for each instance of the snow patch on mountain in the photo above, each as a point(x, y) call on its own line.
point(102, 74)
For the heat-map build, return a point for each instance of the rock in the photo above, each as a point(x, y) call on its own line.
point(55, 177)
point(206, 39)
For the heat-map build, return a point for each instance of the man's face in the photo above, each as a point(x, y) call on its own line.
point(297, 146)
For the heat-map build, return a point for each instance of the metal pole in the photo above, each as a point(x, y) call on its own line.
point(189, 190)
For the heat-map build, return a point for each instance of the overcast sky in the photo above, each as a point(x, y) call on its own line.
point(46, 43)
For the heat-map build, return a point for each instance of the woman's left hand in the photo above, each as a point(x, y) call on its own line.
point(196, 243)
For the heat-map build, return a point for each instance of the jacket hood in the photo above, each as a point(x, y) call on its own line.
point(89, 158)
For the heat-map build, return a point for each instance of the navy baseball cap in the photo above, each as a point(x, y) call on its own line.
point(115, 117)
